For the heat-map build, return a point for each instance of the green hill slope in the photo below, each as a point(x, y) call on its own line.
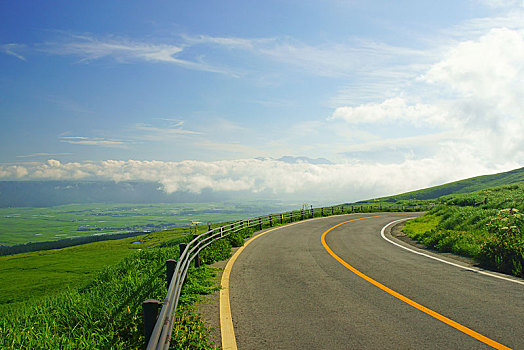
point(463, 186)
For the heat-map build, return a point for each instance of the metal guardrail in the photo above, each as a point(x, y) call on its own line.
point(158, 326)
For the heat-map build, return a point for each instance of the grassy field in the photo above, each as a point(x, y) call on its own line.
point(49, 272)
point(22, 225)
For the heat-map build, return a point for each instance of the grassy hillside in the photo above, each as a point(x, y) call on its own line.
point(486, 225)
point(463, 186)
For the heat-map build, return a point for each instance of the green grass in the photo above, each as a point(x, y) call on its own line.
point(47, 272)
point(485, 225)
point(106, 313)
point(417, 227)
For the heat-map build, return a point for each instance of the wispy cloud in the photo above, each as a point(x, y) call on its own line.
point(11, 49)
point(81, 140)
point(90, 48)
point(335, 60)
point(38, 155)
point(329, 59)
point(172, 128)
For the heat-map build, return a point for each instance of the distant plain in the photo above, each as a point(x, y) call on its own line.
point(28, 224)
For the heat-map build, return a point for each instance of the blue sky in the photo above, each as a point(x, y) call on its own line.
point(209, 94)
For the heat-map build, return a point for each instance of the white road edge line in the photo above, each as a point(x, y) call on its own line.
point(382, 233)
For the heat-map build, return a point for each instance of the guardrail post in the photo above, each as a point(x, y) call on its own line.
point(209, 226)
point(291, 217)
point(312, 215)
point(332, 210)
point(150, 309)
point(170, 269)
point(301, 214)
point(270, 221)
point(361, 208)
point(182, 247)
point(221, 231)
point(322, 211)
point(281, 219)
point(260, 222)
point(197, 256)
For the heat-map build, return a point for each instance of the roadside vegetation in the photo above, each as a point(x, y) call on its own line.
point(487, 225)
point(106, 312)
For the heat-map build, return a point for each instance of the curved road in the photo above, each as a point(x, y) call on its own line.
point(287, 292)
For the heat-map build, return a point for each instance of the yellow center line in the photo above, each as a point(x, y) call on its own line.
point(397, 295)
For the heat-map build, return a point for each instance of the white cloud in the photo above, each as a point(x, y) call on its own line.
point(337, 182)
point(81, 140)
point(329, 60)
point(474, 92)
point(10, 49)
point(43, 155)
point(390, 111)
point(504, 4)
point(489, 69)
point(89, 48)
point(160, 133)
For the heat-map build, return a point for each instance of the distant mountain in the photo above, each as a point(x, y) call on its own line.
point(463, 186)
point(50, 193)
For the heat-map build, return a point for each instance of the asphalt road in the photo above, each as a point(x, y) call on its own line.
point(288, 292)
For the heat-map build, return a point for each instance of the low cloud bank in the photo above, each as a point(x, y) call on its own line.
point(337, 182)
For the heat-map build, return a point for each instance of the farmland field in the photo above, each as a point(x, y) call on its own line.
point(27, 224)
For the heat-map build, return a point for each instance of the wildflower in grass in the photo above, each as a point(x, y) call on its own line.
point(505, 249)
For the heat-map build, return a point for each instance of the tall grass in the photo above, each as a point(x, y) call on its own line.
point(485, 225)
point(106, 313)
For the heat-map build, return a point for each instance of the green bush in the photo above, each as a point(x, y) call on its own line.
point(504, 250)
point(236, 239)
point(216, 251)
